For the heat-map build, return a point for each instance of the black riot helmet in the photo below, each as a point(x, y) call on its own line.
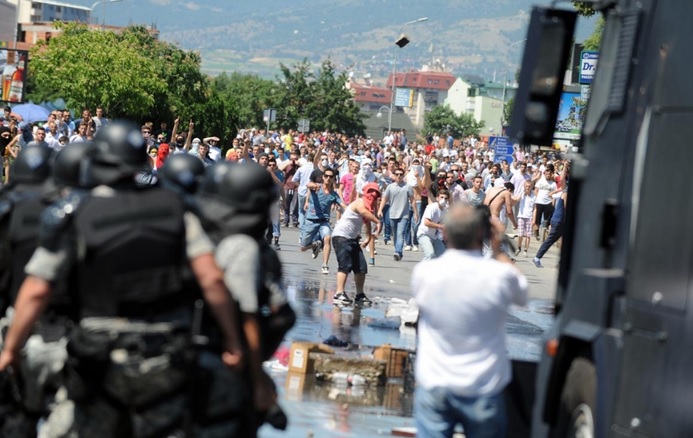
point(182, 173)
point(246, 187)
point(32, 166)
point(119, 151)
point(69, 164)
point(235, 198)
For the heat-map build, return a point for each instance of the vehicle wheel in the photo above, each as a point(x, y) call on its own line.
point(578, 400)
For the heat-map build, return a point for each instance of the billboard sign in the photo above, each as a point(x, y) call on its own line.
point(13, 69)
point(588, 65)
point(404, 97)
point(569, 121)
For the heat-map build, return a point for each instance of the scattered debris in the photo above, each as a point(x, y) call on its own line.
point(334, 341)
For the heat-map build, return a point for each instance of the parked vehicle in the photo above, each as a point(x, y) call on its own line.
point(617, 361)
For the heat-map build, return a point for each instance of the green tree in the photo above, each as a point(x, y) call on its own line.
point(295, 94)
point(186, 86)
point(245, 96)
point(333, 106)
point(90, 68)
point(595, 39)
point(583, 8)
point(443, 119)
point(319, 96)
point(508, 110)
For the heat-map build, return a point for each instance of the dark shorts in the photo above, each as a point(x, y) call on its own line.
point(349, 255)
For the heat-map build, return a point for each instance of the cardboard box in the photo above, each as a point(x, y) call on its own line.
point(395, 359)
point(299, 357)
point(296, 384)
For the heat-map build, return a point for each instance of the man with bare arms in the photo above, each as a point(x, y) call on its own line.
point(500, 203)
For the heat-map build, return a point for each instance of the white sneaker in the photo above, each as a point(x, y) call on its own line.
point(415, 248)
point(407, 248)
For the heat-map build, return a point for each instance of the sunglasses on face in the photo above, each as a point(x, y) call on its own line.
point(328, 176)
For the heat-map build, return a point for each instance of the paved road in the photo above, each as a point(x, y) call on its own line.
point(321, 410)
point(390, 278)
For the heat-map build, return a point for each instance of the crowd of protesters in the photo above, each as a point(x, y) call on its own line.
point(409, 172)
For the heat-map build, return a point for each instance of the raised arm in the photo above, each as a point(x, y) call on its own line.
point(175, 129)
point(188, 141)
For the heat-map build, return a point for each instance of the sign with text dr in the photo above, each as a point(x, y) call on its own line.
point(588, 65)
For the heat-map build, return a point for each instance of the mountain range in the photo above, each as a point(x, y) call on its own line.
point(459, 36)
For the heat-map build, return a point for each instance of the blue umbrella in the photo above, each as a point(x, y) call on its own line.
point(30, 112)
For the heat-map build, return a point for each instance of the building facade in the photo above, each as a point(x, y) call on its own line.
point(48, 11)
point(8, 21)
point(482, 100)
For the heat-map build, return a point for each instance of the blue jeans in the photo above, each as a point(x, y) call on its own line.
point(387, 228)
point(555, 234)
point(431, 248)
point(420, 208)
point(399, 228)
point(301, 211)
point(313, 229)
point(437, 411)
point(407, 232)
point(291, 209)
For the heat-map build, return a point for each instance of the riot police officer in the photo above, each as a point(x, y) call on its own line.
point(21, 204)
point(182, 173)
point(234, 202)
point(124, 247)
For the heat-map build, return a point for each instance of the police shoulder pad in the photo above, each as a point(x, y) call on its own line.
point(56, 218)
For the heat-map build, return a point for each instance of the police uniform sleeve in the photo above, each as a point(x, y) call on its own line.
point(239, 257)
point(197, 242)
point(55, 251)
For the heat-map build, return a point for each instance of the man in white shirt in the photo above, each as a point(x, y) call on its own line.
point(430, 232)
point(525, 214)
point(461, 364)
point(544, 188)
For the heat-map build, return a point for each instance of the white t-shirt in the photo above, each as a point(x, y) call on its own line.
point(544, 187)
point(526, 206)
point(214, 153)
point(461, 345)
point(434, 214)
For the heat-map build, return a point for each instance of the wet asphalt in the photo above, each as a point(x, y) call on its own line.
point(318, 409)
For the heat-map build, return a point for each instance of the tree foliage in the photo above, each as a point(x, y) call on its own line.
point(583, 8)
point(90, 68)
point(186, 86)
point(320, 97)
point(442, 119)
point(595, 39)
point(133, 75)
point(246, 96)
point(508, 110)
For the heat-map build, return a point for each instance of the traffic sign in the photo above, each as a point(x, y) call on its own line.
point(503, 149)
point(304, 125)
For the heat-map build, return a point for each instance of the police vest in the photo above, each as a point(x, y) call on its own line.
point(23, 235)
point(131, 250)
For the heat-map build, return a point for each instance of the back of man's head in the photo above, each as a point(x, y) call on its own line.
point(464, 227)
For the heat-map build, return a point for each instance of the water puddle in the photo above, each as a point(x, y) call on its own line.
point(318, 409)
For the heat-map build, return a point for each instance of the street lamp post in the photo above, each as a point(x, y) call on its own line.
point(394, 71)
point(103, 10)
point(505, 78)
point(380, 110)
